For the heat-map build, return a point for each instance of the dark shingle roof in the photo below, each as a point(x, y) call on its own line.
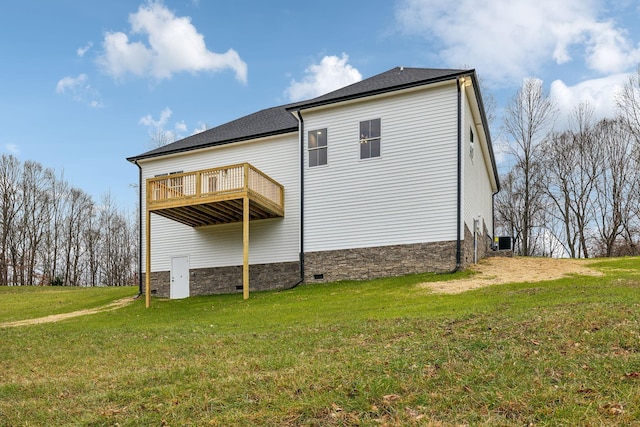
point(279, 120)
point(394, 79)
point(271, 121)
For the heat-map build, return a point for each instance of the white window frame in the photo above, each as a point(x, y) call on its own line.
point(368, 139)
point(318, 148)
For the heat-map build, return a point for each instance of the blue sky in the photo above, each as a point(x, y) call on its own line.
point(83, 85)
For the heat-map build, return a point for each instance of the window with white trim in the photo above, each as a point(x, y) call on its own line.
point(370, 139)
point(317, 145)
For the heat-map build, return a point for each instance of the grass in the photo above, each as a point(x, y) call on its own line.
point(27, 302)
point(382, 352)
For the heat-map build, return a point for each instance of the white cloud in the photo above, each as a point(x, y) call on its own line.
point(157, 132)
point(70, 84)
point(509, 40)
point(12, 148)
point(181, 126)
point(200, 128)
point(172, 45)
point(165, 115)
point(609, 50)
point(84, 49)
point(332, 73)
point(80, 90)
point(600, 93)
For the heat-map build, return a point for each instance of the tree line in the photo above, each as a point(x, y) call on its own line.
point(574, 192)
point(54, 234)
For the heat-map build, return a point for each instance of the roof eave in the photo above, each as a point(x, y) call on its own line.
point(313, 104)
point(485, 123)
point(135, 159)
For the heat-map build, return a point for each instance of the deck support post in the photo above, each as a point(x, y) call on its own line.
point(147, 274)
point(245, 248)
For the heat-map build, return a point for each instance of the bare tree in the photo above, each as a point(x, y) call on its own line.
point(160, 137)
point(628, 103)
point(528, 120)
point(91, 237)
point(614, 188)
point(57, 189)
point(508, 205)
point(579, 188)
point(560, 159)
point(10, 170)
point(572, 164)
point(117, 250)
point(79, 208)
point(51, 233)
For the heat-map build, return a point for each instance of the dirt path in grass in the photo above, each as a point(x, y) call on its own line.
point(493, 271)
point(63, 316)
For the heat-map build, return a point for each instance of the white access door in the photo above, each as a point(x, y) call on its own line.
point(179, 277)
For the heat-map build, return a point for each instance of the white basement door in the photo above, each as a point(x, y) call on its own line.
point(179, 277)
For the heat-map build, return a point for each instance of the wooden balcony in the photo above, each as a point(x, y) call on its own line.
point(215, 196)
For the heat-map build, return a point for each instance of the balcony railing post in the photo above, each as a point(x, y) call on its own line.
point(281, 188)
point(198, 184)
point(148, 190)
point(246, 177)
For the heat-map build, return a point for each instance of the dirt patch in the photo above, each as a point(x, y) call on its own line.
point(494, 271)
point(63, 316)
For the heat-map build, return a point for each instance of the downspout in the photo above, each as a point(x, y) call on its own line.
point(302, 153)
point(139, 228)
point(459, 190)
point(493, 220)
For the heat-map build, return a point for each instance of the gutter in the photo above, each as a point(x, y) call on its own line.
point(493, 218)
point(459, 189)
point(302, 154)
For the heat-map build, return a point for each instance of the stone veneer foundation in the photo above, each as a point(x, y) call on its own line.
point(484, 246)
point(227, 280)
point(381, 261)
point(329, 266)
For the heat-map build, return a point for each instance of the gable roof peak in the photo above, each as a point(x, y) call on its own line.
point(397, 78)
point(279, 120)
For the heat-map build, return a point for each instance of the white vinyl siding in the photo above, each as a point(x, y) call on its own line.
point(270, 240)
point(477, 191)
point(406, 196)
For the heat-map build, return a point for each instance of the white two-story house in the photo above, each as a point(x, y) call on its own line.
point(392, 175)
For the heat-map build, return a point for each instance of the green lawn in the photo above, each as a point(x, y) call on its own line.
point(27, 302)
point(382, 352)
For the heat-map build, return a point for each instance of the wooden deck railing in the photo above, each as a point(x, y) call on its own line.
point(209, 183)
